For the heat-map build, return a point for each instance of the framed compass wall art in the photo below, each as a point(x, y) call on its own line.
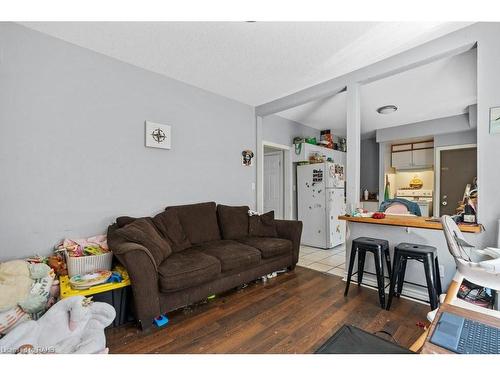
point(495, 120)
point(158, 135)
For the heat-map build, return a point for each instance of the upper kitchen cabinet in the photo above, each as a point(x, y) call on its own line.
point(416, 155)
point(401, 156)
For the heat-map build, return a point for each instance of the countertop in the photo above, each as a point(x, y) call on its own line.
point(413, 222)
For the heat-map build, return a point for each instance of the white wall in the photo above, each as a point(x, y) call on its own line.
point(280, 130)
point(72, 150)
point(488, 95)
point(458, 138)
point(430, 128)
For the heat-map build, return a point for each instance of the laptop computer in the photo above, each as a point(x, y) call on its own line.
point(465, 336)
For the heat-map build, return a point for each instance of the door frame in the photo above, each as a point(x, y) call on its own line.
point(277, 152)
point(287, 178)
point(437, 173)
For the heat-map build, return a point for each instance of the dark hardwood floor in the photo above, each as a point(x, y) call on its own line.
point(292, 313)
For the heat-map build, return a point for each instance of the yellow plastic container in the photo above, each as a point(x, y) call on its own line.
point(67, 291)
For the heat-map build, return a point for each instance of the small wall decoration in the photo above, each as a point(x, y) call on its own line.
point(247, 156)
point(158, 135)
point(495, 120)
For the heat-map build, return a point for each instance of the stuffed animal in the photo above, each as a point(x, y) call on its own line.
point(24, 292)
point(58, 264)
point(72, 325)
point(16, 281)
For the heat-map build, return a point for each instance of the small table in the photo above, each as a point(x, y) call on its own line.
point(430, 348)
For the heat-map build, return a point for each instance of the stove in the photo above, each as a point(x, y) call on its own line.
point(415, 194)
point(423, 197)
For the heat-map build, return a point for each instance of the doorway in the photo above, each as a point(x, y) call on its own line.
point(457, 169)
point(274, 174)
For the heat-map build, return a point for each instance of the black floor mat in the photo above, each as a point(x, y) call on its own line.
point(351, 340)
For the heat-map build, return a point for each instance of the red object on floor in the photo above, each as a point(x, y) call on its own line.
point(420, 324)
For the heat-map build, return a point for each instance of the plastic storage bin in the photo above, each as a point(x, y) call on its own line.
point(121, 300)
point(119, 295)
point(89, 263)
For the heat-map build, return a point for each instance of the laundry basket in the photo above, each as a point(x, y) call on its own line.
point(88, 263)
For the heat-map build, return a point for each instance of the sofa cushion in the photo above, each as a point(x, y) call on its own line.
point(233, 221)
point(262, 225)
point(186, 269)
point(170, 227)
point(143, 232)
point(231, 254)
point(269, 247)
point(199, 221)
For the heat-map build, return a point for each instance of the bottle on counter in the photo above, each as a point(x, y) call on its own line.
point(469, 214)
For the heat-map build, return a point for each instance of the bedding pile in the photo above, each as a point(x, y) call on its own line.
point(27, 290)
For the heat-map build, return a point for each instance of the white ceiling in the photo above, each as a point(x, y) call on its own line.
point(439, 89)
point(250, 62)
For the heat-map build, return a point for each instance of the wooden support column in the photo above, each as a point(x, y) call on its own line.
point(353, 146)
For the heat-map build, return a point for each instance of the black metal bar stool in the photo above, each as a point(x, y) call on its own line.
point(423, 254)
point(380, 250)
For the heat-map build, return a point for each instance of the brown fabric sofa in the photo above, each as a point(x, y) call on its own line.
point(190, 252)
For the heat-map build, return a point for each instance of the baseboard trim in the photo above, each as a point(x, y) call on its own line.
point(411, 292)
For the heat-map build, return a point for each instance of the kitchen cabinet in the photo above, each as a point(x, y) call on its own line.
point(413, 155)
point(423, 157)
point(402, 159)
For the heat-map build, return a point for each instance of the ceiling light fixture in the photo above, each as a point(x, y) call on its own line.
point(386, 109)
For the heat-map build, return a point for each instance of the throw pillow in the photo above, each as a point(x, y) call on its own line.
point(233, 221)
point(262, 225)
point(199, 221)
point(170, 227)
point(143, 232)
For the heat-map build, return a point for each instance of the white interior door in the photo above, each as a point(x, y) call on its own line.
point(273, 183)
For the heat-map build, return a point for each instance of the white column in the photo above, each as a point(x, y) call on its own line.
point(353, 146)
point(260, 164)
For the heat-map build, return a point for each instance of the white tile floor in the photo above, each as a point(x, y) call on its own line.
point(330, 261)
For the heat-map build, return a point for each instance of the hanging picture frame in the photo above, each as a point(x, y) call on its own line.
point(158, 135)
point(495, 120)
point(246, 158)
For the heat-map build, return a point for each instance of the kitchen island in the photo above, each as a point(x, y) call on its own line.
point(397, 229)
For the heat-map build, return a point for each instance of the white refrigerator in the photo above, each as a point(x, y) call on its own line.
point(320, 201)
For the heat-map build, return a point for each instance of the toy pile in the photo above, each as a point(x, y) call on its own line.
point(96, 245)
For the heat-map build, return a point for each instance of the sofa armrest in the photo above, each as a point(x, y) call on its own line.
point(144, 280)
point(291, 230)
